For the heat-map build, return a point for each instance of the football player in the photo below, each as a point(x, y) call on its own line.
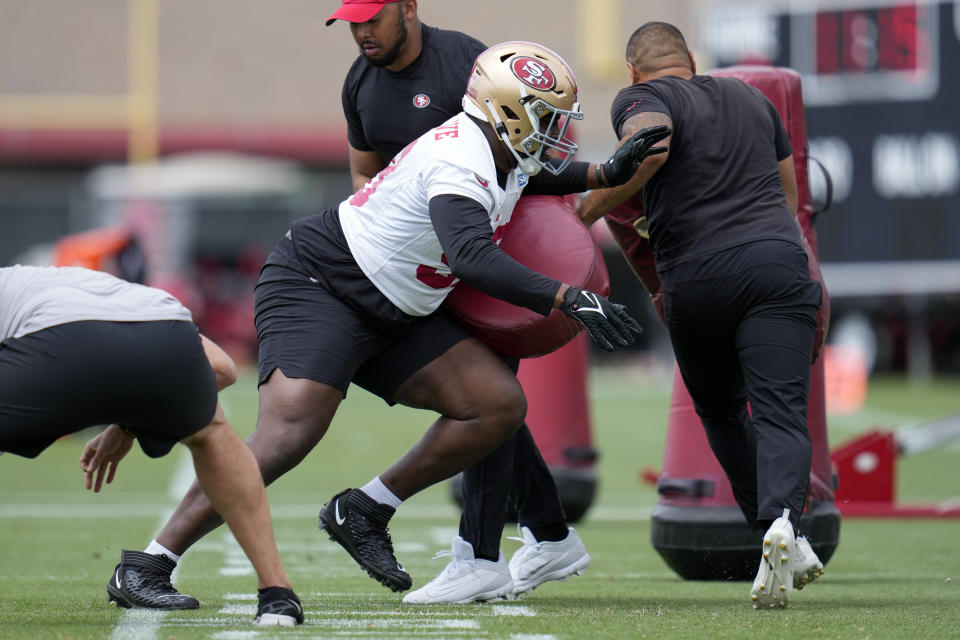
point(409, 78)
point(80, 348)
point(429, 219)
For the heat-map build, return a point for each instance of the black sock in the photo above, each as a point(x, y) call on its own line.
point(276, 593)
point(375, 511)
point(550, 532)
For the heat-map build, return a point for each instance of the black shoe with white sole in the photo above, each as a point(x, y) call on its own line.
point(142, 581)
point(278, 607)
point(358, 523)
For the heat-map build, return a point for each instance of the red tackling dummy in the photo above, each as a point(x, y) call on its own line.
point(546, 235)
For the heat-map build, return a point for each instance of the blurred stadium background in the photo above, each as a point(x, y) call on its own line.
point(200, 130)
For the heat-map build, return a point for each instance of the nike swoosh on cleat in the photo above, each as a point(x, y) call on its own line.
point(437, 592)
point(336, 513)
point(116, 579)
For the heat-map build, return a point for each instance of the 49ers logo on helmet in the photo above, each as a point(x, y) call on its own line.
point(533, 73)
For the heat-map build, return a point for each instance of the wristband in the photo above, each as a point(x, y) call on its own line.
point(600, 179)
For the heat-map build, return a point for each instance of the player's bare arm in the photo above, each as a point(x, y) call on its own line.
point(222, 364)
point(788, 176)
point(601, 201)
point(364, 165)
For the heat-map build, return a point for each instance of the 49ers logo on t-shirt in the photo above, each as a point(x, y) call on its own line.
point(533, 73)
point(421, 100)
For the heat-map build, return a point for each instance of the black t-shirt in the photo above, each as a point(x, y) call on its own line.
point(720, 186)
point(385, 110)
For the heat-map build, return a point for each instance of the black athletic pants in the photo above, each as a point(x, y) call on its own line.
point(742, 323)
point(513, 471)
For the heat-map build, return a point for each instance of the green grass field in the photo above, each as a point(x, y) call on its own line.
point(59, 544)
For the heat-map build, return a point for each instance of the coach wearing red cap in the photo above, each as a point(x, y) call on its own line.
point(358, 10)
point(408, 79)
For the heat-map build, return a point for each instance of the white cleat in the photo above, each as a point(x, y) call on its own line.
point(773, 585)
point(465, 579)
point(537, 562)
point(806, 565)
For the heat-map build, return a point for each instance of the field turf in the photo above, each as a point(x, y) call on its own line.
point(59, 543)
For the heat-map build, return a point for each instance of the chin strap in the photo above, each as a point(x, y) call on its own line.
point(527, 164)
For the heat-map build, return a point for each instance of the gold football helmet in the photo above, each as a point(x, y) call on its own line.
point(529, 96)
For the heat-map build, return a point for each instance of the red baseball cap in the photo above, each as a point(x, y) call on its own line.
point(358, 10)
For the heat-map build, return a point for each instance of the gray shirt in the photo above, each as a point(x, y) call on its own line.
point(35, 298)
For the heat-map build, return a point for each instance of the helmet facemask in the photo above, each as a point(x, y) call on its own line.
point(528, 94)
point(549, 126)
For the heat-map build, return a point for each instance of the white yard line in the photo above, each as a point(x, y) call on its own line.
point(440, 535)
point(235, 561)
point(183, 477)
point(138, 624)
point(512, 610)
point(239, 610)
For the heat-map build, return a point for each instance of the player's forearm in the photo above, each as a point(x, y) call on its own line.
point(600, 202)
point(359, 180)
point(463, 229)
point(486, 268)
point(364, 165)
point(575, 178)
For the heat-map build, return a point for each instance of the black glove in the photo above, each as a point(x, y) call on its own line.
point(604, 320)
point(624, 162)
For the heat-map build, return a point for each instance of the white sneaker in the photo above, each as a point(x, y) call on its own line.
point(806, 565)
point(465, 579)
point(773, 585)
point(537, 562)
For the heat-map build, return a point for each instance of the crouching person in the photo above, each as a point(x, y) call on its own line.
point(80, 348)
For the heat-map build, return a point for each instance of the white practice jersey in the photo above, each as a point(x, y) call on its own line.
point(35, 298)
point(387, 223)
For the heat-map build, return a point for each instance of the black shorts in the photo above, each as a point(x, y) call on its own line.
point(151, 377)
point(309, 332)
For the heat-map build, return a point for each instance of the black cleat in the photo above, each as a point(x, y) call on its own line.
point(279, 607)
point(142, 581)
point(359, 524)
